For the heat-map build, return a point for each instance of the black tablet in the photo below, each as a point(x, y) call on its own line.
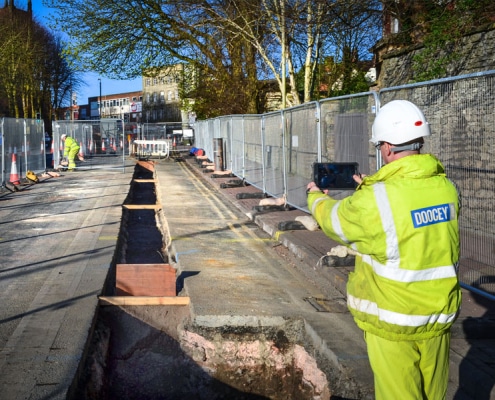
point(335, 175)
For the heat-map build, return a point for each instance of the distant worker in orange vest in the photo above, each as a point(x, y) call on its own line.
point(71, 150)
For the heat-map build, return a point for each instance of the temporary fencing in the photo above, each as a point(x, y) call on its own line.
point(152, 148)
point(103, 144)
point(275, 152)
point(22, 140)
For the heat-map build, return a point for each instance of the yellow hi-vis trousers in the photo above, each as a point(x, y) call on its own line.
point(409, 370)
point(74, 150)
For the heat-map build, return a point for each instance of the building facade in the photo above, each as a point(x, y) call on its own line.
point(159, 101)
point(125, 106)
point(162, 91)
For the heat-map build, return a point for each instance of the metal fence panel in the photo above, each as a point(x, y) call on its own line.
point(238, 140)
point(13, 145)
point(346, 130)
point(211, 132)
point(34, 144)
point(200, 128)
point(253, 151)
point(274, 149)
point(302, 150)
point(225, 135)
point(23, 148)
point(102, 143)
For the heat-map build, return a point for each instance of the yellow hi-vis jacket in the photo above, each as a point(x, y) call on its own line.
point(70, 144)
point(403, 222)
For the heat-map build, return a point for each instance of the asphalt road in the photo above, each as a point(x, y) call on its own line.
point(57, 240)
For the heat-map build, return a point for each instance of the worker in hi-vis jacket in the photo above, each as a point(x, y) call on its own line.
point(402, 223)
point(71, 150)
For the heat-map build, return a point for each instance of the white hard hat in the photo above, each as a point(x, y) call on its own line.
point(399, 121)
point(63, 136)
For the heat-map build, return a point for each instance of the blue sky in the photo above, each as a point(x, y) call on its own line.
point(108, 86)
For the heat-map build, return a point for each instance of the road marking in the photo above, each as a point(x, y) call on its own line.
point(108, 238)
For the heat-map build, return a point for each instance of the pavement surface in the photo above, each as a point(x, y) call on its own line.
point(57, 246)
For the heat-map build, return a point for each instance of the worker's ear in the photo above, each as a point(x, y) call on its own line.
point(387, 147)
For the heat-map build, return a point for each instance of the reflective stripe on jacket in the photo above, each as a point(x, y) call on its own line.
point(403, 222)
point(70, 143)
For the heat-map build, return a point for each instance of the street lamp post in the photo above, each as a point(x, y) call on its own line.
point(99, 102)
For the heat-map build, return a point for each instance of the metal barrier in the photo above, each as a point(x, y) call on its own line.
point(274, 152)
point(103, 144)
point(23, 147)
point(152, 148)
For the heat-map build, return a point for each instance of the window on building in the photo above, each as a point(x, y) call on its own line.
point(147, 82)
point(169, 95)
point(394, 25)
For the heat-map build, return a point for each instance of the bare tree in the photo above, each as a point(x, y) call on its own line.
point(298, 33)
point(233, 43)
point(31, 63)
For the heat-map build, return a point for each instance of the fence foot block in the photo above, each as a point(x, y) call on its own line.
point(291, 226)
point(256, 195)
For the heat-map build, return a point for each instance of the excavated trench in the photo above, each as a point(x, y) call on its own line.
point(156, 352)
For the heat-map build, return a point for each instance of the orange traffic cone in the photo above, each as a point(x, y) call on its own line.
point(103, 148)
point(82, 151)
point(174, 143)
point(14, 175)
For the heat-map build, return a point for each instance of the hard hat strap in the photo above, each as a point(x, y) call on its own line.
point(412, 146)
